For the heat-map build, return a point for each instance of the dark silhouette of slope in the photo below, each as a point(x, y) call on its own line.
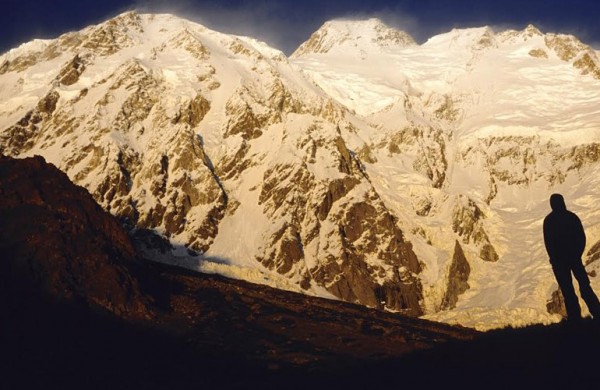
point(80, 309)
point(77, 302)
point(55, 241)
point(541, 357)
point(71, 350)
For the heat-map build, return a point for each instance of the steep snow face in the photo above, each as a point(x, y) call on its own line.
point(347, 53)
point(469, 134)
point(217, 143)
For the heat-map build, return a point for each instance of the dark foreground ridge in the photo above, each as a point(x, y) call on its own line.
point(79, 308)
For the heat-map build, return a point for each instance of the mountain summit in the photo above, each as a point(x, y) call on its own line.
point(353, 35)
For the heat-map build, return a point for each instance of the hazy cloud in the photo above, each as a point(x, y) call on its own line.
point(285, 24)
point(393, 18)
point(282, 25)
point(263, 20)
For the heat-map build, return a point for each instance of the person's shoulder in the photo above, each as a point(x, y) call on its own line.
point(548, 222)
point(572, 219)
point(549, 217)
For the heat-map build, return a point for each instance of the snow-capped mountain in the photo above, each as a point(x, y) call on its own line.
point(216, 142)
point(366, 167)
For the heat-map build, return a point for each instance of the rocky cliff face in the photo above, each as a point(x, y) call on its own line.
point(335, 229)
point(458, 277)
point(55, 241)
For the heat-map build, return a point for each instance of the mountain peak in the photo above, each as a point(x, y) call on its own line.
point(532, 30)
point(355, 25)
point(515, 36)
point(125, 20)
point(366, 34)
point(476, 38)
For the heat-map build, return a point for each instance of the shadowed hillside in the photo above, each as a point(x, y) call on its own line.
point(80, 309)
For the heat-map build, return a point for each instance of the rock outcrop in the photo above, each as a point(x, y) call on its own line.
point(458, 277)
point(56, 242)
point(467, 222)
point(556, 304)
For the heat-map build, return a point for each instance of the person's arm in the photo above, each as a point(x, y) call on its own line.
point(581, 240)
point(548, 242)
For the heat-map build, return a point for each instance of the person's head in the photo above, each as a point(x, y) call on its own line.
point(557, 202)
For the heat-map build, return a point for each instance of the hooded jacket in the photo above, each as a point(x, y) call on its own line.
point(563, 232)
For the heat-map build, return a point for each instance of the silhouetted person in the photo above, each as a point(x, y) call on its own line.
point(565, 242)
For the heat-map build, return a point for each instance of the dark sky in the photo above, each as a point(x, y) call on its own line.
point(286, 23)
